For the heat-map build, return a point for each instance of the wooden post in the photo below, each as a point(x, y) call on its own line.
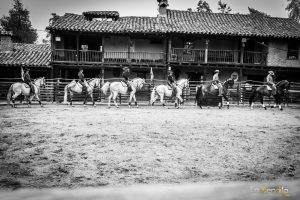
point(206, 51)
point(169, 50)
point(103, 49)
point(244, 40)
point(77, 48)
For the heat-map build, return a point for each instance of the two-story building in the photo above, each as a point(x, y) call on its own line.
point(193, 44)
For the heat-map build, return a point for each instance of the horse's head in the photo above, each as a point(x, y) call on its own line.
point(139, 82)
point(41, 82)
point(229, 83)
point(283, 86)
point(184, 83)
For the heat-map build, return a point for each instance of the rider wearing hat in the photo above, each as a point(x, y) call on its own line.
point(27, 80)
point(171, 82)
point(270, 82)
point(216, 82)
point(126, 74)
point(82, 80)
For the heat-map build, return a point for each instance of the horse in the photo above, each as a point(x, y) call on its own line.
point(121, 87)
point(75, 87)
point(282, 88)
point(208, 88)
point(22, 88)
point(164, 90)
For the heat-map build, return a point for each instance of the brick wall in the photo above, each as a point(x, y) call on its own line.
point(277, 55)
point(6, 43)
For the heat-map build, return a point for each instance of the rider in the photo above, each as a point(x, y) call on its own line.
point(270, 82)
point(126, 74)
point(171, 82)
point(82, 80)
point(217, 82)
point(27, 80)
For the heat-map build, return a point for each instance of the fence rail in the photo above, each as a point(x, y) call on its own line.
point(238, 95)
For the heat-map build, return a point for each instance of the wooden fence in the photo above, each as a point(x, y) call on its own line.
point(238, 95)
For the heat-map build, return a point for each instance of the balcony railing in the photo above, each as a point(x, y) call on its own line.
point(83, 56)
point(255, 57)
point(217, 56)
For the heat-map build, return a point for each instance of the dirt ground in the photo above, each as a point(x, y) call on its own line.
point(61, 146)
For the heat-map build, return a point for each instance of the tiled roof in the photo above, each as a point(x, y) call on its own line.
point(185, 22)
point(29, 55)
point(114, 14)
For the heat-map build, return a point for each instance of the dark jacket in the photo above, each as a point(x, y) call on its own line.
point(81, 76)
point(27, 78)
point(126, 75)
point(171, 78)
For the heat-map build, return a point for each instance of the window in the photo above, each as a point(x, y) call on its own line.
point(187, 47)
point(293, 51)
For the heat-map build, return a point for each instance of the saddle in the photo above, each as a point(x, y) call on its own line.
point(268, 87)
point(26, 85)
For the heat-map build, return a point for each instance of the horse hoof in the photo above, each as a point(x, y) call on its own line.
point(42, 106)
point(281, 109)
point(95, 106)
point(137, 106)
point(227, 107)
point(265, 108)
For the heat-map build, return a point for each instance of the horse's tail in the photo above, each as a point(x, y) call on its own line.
point(9, 94)
point(105, 87)
point(252, 96)
point(152, 95)
point(66, 94)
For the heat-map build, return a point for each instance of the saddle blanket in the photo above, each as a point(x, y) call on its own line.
point(26, 85)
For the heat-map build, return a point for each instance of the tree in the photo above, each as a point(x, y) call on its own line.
point(203, 7)
point(253, 11)
point(223, 8)
point(294, 9)
point(18, 22)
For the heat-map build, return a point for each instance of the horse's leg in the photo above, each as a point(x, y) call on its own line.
point(130, 99)
point(162, 100)
point(14, 96)
point(85, 100)
point(262, 102)
point(114, 98)
point(92, 97)
point(71, 99)
point(227, 101)
point(154, 99)
point(37, 97)
point(109, 99)
point(135, 102)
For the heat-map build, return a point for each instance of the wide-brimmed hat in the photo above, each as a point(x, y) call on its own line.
point(217, 71)
point(125, 68)
point(271, 72)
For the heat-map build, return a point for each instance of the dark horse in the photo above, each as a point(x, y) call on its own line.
point(282, 88)
point(208, 88)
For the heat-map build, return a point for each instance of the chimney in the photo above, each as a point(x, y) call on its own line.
point(162, 8)
point(5, 40)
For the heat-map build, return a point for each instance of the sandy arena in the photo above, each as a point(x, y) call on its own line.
point(61, 146)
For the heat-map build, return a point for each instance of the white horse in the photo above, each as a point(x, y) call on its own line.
point(22, 88)
point(164, 90)
point(121, 87)
point(75, 87)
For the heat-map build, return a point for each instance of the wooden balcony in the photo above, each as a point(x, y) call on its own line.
point(182, 55)
point(88, 56)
